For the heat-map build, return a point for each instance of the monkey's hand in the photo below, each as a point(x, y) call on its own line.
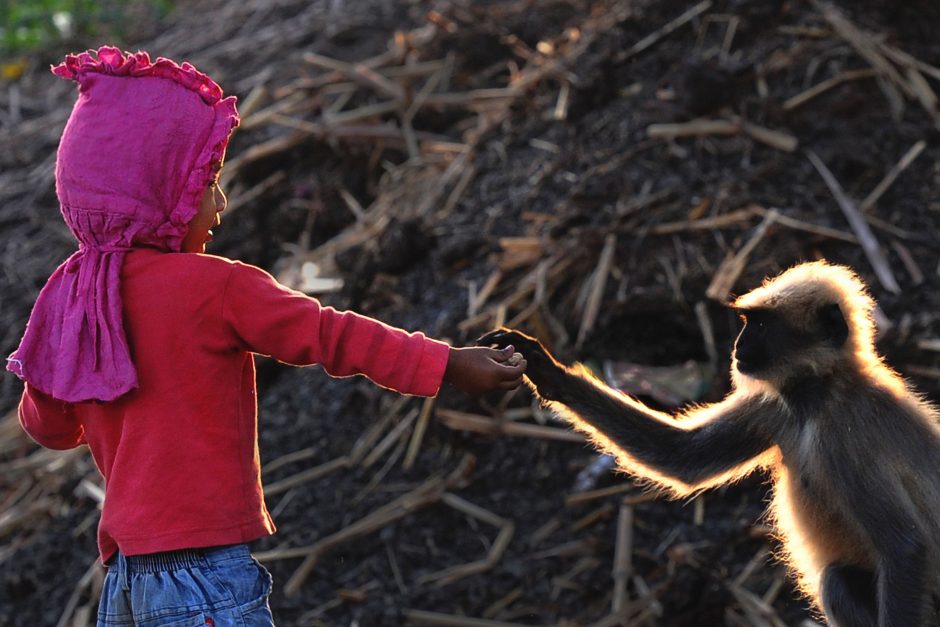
point(545, 375)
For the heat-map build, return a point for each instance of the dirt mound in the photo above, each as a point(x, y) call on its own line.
point(603, 174)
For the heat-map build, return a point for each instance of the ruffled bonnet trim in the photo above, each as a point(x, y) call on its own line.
point(111, 61)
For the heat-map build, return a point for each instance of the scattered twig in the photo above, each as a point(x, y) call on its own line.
point(695, 128)
point(598, 283)
point(463, 421)
point(863, 43)
point(72, 603)
point(733, 218)
point(390, 439)
point(623, 555)
point(883, 185)
point(775, 139)
point(583, 497)
point(306, 476)
point(545, 530)
point(708, 332)
point(426, 494)
point(592, 518)
point(859, 226)
point(758, 613)
point(761, 557)
point(418, 434)
point(917, 276)
point(367, 440)
point(727, 274)
point(502, 603)
point(821, 88)
point(455, 573)
point(800, 225)
point(908, 79)
point(654, 37)
point(735, 125)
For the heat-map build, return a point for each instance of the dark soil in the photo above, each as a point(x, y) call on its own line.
point(416, 275)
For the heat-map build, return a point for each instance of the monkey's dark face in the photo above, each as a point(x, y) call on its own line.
point(768, 344)
point(764, 340)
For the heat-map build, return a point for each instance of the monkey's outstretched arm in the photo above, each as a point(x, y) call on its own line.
point(711, 445)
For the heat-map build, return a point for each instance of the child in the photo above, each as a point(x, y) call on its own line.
point(142, 347)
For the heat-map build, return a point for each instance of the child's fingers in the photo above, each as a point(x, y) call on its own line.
point(500, 355)
point(511, 377)
point(512, 372)
point(510, 385)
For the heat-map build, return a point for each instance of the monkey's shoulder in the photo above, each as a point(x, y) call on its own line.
point(840, 395)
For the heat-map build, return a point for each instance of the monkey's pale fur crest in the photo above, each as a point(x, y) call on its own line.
point(798, 292)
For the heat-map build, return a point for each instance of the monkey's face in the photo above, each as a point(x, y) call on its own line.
point(771, 345)
point(761, 342)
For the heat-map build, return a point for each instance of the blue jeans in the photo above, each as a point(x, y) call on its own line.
point(215, 587)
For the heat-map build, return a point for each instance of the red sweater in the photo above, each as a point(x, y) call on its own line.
point(180, 454)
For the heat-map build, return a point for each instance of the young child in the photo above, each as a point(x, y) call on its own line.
point(141, 347)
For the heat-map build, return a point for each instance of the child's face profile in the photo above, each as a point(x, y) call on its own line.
point(211, 206)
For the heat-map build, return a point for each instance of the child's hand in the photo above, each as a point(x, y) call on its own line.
point(478, 369)
point(546, 376)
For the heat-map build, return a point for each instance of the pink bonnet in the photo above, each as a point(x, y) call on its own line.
point(133, 163)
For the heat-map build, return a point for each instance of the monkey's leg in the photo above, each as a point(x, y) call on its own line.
point(848, 595)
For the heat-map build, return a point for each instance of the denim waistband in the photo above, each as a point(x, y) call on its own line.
point(183, 558)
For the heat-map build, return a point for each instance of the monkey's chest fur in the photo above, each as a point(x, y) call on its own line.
point(811, 515)
point(810, 510)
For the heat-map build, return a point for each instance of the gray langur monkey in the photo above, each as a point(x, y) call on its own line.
point(853, 451)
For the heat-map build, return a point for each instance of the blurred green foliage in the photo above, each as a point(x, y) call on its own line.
point(27, 25)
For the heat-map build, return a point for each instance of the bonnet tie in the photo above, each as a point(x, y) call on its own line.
point(72, 263)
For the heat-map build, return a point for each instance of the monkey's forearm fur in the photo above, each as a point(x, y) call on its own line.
point(688, 456)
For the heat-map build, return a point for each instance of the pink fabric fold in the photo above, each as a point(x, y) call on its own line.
point(133, 162)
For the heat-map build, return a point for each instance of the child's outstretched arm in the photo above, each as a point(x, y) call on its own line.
point(476, 370)
point(267, 318)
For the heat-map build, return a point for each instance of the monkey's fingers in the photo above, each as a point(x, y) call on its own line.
point(497, 337)
point(505, 337)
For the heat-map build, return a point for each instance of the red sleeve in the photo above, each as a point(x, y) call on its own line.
point(267, 318)
point(50, 422)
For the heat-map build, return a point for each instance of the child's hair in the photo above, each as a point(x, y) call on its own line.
point(133, 162)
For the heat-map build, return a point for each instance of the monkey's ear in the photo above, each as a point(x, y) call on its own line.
point(833, 323)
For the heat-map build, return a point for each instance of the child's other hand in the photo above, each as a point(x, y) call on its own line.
point(477, 369)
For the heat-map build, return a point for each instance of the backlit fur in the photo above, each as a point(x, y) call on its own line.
point(853, 451)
